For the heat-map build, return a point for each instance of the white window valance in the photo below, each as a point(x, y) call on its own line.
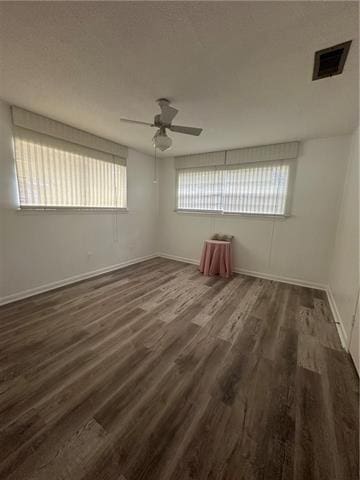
point(34, 126)
point(264, 153)
point(200, 160)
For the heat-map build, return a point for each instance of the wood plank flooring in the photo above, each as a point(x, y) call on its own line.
point(155, 372)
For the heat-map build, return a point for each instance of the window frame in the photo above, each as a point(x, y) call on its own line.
point(27, 209)
point(292, 163)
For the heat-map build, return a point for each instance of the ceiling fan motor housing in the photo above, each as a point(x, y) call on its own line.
point(163, 121)
point(163, 100)
point(157, 121)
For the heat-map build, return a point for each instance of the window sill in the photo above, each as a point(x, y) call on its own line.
point(69, 210)
point(230, 214)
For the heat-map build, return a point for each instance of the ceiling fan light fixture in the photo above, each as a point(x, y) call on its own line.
point(161, 141)
point(163, 121)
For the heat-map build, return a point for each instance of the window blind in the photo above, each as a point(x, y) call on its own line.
point(199, 190)
point(256, 188)
point(55, 173)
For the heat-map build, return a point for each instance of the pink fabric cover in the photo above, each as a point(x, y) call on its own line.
point(216, 258)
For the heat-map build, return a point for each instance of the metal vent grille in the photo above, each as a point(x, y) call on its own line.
point(330, 61)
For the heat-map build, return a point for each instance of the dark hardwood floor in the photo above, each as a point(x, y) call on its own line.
point(154, 372)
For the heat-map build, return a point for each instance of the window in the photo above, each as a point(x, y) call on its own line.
point(59, 166)
point(50, 177)
point(199, 189)
point(261, 188)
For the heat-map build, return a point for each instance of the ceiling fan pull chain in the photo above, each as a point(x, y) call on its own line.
point(155, 165)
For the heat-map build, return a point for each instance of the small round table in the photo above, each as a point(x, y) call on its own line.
point(216, 258)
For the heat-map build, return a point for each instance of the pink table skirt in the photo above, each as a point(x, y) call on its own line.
point(216, 258)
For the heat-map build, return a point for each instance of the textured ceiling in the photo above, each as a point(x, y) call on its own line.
point(240, 70)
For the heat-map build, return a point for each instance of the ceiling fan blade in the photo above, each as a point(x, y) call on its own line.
point(136, 121)
point(167, 113)
point(186, 130)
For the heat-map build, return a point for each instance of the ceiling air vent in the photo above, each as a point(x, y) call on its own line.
point(330, 61)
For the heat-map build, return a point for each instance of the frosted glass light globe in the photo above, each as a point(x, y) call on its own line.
point(162, 141)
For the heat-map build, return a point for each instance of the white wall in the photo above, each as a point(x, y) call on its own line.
point(296, 248)
point(38, 249)
point(344, 273)
point(2, 254)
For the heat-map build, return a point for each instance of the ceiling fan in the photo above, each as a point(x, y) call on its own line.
point(162, 121)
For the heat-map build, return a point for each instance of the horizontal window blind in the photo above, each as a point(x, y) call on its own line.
point(50, 176)
point(73, 169)
point(258, 188)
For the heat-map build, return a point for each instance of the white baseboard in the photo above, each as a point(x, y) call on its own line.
point(253, 273)
point(179, 259)
point(338, 321)
point(67, 281)
point(281, 278)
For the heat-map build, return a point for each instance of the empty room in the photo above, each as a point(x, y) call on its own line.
point(179, 240)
